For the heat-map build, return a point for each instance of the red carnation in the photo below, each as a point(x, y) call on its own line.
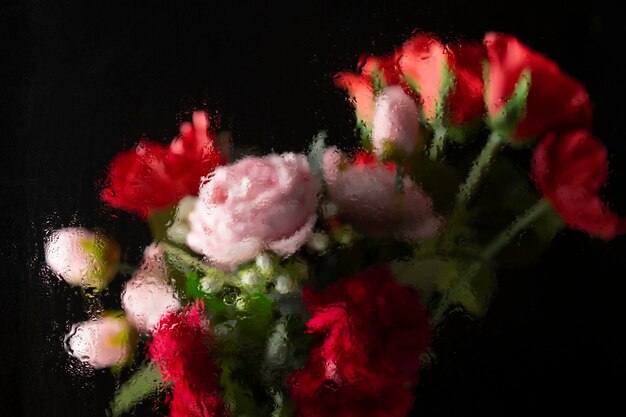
point(570, 169)
point(153, 176)
point(179, 348)
point(448, 79)
point(555, 100)
point(374, 332)
point(361, 85)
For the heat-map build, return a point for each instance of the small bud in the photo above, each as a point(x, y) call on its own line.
point(264, 263)
point(329, 210)
point(318, 242)
point(211, 285)
point(284, 284)
point(250, 279)
point(344, 235)
point(101, 342)
point(82, 257)
point(179, 229)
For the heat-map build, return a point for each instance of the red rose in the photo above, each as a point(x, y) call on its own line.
point(555, 100)
point(154, 176)
point(179, 348)
point(448, 79)
point(570, 169)
point(361, 85)
point(374, 332)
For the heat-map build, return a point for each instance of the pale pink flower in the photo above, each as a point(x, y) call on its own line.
point(82, 257)
point(369, 199)
point(396, 123)
point(256, 204)
point(101, 342)
point(147, 297)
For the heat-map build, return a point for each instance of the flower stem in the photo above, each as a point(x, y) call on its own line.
point(478, 170)
point(437, 143)
point(182, 258)
point(521, 223)
point(492, 249)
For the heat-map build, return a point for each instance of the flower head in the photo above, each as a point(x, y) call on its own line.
point(154, 176)
point(256, 204)
point(570, 170)
point(373, 331)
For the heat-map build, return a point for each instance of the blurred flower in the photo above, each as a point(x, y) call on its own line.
point(101, 342)
point(82, 257)
point(373, 73)
point(153, 176)
point(395, 123)
point(373, 332)
point(180, 347)
point(367, 197)
point(570, 169)
point(555, 100)
point(147, 297)
point(256, 204)
point(448, 78)
point(179, 229)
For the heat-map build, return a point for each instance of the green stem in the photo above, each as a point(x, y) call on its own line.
point(492, 249)
point(478, 170)
point(521, 223)
point(437, 143)
point(183, 258)
point(447, 299)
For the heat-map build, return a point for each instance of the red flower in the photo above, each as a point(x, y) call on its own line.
point(374, 332)
point(179, 349)
point(555, 100)
point(361, 85)
point(448, 79)
point(570, 169)
point(154, 175)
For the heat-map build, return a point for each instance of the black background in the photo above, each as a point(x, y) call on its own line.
point(86, 81)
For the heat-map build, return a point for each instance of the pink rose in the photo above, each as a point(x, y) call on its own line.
point(396, 122)
point(82, 257)
point(256, 204)
point(147, 297)
point(367, 197)
point(100, 342)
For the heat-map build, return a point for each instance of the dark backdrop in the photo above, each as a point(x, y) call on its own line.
point(86, 81)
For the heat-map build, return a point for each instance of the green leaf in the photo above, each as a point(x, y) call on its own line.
point(238, 398)
point(142, 384)
point(255, 315)
point(428, 274)
point(475, 294)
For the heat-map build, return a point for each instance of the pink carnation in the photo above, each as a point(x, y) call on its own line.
point(368, 198)
point(253, 205)
point(101, 342)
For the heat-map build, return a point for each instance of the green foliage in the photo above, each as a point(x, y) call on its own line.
point(141, 384)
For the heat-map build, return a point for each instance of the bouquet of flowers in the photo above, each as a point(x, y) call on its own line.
point(313, 284)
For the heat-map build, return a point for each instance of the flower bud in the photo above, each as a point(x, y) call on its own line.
point(101, 342)
point(250, 279)
point(396, 122)
point(82, 257)
point(318, 242)
point(284, 284)
point(146, 300)
point(210, 285)
point(179, 229)
point(264, 263)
